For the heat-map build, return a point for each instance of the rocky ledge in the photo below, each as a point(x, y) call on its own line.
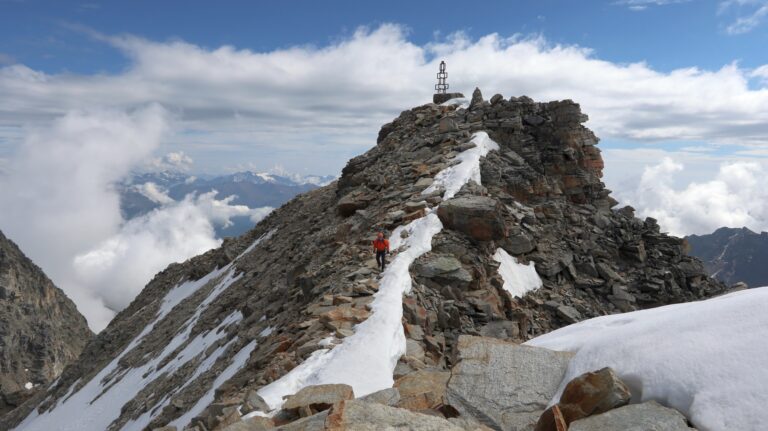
point(495, 385)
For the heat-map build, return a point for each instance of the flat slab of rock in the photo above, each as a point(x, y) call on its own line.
point(361, 416)
point(503, 385)
point(649, 416)
point(388, 397)
point(423, 389)
point(313, 399)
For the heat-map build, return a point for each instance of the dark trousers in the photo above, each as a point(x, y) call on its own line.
point(381, 259)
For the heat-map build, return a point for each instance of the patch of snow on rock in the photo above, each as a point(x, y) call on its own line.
point(705, 359)
point(518, 279)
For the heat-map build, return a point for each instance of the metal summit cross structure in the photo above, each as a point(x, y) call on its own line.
point(441, 88)
point(442, 75)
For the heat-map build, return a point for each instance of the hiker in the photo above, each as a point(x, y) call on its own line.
point(381, 248)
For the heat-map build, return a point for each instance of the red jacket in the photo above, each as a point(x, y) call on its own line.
point(381, 244)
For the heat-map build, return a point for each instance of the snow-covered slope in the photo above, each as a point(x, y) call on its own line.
point(706, 359)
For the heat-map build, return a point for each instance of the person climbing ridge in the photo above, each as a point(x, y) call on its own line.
point(381, 248)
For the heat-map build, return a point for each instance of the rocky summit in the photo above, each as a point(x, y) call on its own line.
point(41, 330)
point(500, 230)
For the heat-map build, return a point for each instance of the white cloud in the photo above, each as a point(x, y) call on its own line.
point(59, 204)
point(177, 161)
point(328, 103)
point(638, 5)
point(736, 196)
point(154, 193)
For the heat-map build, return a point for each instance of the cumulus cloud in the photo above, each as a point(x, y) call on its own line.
point(59, 203)
point(176, 161)
point(328, 102)
point(146, 245)
point(736, 196)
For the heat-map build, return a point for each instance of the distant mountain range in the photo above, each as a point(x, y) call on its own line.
point(733, 255)
point(253, 189)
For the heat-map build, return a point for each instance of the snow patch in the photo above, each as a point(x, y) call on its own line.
point(518, 279)
point(266, 332)
point(238, 362)
point(459, 102)
point(28, 385)
point(452, 179)
point(705, 359)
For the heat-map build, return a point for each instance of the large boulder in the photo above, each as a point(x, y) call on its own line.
point(589, 394)
point(447, 268)
point(439, 98)
point(479, 217)
point(648, 416)
point(361, 416)
point(313, 399)
point(422, 390)
point(503, 385)
point(353, 201)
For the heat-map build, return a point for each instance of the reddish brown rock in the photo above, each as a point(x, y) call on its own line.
point(422, 390)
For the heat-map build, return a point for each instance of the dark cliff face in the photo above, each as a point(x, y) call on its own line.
point(733, 255)
point(41, 330)
point(302, 279)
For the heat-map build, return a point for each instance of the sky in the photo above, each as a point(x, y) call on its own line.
point(91, 91)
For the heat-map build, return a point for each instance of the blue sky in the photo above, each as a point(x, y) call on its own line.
point(666, 34)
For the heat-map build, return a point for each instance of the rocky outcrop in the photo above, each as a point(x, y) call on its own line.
point(635, 417)
point(41, 331)
point(479, 217)
point(303, 281)
point(439, 98)
point(503, 385)
point(589, 394)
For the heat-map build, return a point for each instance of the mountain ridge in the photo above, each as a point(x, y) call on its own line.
point(41, 330)
point(298, 289)
point(733, 255)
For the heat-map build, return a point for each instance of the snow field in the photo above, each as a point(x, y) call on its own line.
point(706, 359)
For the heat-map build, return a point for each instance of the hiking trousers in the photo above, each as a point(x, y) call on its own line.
point(381, 259)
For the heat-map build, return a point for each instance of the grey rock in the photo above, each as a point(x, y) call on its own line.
point(568, 313)
point(477, 99)
point(315, 422)
point(649, 416)
point(496, 98)
point(254, 402)
point(361, 416)
point(443, 267)
point(504, 385)
point(256, 423)
point(388, 397)
point(477, 216)
point(317, 398)
point(447, 125)
point(41, 330)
